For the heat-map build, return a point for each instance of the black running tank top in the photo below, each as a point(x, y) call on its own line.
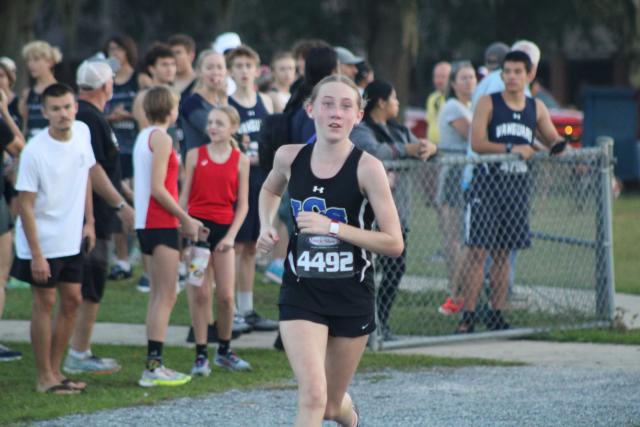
point(323, 274)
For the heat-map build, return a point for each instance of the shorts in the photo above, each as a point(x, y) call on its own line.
point(95, 268)
point(497, 210)
point(64, 269)
point(149, 238)
point(250, 229)
point(216, 231)
point(339, 326)
point(126, 165)
point(9, 191)
point(450, 186)
point(6, 222)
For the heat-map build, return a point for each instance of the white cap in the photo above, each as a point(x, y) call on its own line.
point(226, 41)
point(345, 56)
point(530, 48)
point(94, 72)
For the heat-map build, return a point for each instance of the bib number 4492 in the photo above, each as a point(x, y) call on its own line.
point(325, 262)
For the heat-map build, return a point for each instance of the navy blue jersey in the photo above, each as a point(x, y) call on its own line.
point(194, 111)
point(508, 126)
point(250, 122)
point(35, 121)
point(324, 274)
point(125, 130)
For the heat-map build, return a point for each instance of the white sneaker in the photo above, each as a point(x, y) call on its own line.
point(162, 376)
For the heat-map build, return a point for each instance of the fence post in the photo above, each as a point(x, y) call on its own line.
point(605, 280)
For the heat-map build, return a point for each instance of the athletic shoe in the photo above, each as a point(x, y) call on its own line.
point(14, 283)
point(356, 411)
point(90, 364)
point(7, 355)
point(162, 376)
point(467, 324)
point(200, 367)
point(240, 325)
point(119, 273)
point(260, 323)
point(231, 362)
point(143, 284)
point(450, 307)
point(275, 271)
point(496, 322)
point(277, 344)
point(212, 334)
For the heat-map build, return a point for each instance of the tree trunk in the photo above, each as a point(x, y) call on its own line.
point(392, 42)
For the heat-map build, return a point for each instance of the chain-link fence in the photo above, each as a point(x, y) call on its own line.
point(497, 246)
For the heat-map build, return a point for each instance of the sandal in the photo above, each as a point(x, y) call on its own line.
point(61, 390)
point(75, 385)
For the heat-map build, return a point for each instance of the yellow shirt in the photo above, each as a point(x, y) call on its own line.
point(435, 102)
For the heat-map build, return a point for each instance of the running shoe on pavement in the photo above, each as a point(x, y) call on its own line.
point(162, 376)
point(259, 323)
point(231, 362)
point(200, 367)
point(8, 355)
point(90, 364)
point(450, 307)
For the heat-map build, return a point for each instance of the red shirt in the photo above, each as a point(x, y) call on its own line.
point(214, 188)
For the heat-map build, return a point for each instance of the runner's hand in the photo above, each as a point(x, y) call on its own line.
point(225, 244)
point(40, 271)
point(190, 229)
point(313, 223)
point(524, 150)
point(268, 239)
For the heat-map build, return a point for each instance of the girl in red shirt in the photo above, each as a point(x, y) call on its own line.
point(216, 192)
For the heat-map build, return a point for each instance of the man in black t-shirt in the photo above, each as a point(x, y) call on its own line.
point(95, 80)
point(12, 142)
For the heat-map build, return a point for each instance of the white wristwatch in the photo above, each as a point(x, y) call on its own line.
point(334, 228)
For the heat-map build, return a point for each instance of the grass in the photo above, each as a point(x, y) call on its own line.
point(20, 403)
point(593, 335)
point(626, 235)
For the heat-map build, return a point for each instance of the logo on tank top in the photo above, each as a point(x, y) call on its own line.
point(516, 116)
point(250, 126)
point(319, 205)
point(318, 189)
point(514, 129)
point(204, 162)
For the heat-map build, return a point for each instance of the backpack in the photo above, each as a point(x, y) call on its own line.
point(274, 132)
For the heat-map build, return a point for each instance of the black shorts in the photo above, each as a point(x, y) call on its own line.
point(6, 222)
point(149, 238)
point(95, 268)
point(497, 209)
point(216, 231)
point(250, 229)
point(126, 165)
point(339, 326)
point(64, 269)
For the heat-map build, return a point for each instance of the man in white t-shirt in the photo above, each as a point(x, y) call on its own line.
point(55, 227)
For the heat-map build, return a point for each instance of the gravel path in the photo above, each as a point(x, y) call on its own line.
point(474, 396)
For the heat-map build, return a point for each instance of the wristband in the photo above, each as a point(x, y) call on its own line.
point(508, 148)
point(334, 228)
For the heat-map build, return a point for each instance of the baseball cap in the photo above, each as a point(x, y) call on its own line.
point(94, 72)
point(226, 41)
point(495, 53)
point(345, 56)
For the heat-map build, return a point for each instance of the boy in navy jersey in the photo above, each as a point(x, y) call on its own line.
point(496, 219)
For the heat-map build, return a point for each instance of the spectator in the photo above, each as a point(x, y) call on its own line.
point(12, 142)
point(7, 81)
point(120, 117)
point(215, 192)
point(183, 48)
point(46, 261)
point(283, 69)
point(95, 81)
point(497, 220)
point(455, 123)
point(243, 63)
point(40, 57)
point(347, 62)
point(436, 99)
point(158, 216)
point(364, 76)
point(382, 136)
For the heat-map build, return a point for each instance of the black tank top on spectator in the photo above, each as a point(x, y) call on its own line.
point(250, 122)
point(36, 121)
point(125, 130)
point(324, 274)
point(509, 126)
point(14, 111)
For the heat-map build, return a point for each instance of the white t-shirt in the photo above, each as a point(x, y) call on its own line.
point(57, 171)
point(449, 137)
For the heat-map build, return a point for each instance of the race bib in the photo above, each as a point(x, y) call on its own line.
point(324, 257)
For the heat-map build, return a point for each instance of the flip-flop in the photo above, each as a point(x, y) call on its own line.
point(61, 390)
point(75, 385)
